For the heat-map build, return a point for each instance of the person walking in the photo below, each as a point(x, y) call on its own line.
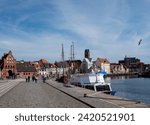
point(35, 78)
point(28, 78)
point(44, 78)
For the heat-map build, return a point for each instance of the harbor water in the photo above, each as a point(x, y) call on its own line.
point(137, 89)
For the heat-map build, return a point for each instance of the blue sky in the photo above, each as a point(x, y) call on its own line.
point(35, 29)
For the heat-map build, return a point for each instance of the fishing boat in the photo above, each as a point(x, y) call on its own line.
point(88, 77)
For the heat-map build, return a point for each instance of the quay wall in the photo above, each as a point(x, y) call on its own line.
point(96, 99)
point(122, 74)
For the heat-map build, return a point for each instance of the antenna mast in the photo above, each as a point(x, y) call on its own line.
point(73, 57)
point(63, 58)
point(71, 52)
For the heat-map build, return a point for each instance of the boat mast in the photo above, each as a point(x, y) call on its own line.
point(71, 52)
point(63, 59)
point(73, 57)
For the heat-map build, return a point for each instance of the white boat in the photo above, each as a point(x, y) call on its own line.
point(89, 77)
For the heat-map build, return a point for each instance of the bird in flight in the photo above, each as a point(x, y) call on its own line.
point(139, 41)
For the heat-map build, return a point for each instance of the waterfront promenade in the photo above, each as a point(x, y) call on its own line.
point(37, 95)
point(6, 85)
point(55, 95)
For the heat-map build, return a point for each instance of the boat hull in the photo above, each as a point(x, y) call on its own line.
point(95, 80)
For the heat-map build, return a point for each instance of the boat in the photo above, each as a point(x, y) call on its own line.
point(90, 78)
point(94, 80)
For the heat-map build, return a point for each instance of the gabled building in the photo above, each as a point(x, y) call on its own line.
point(103, 64)
point(61, 67)
point(8, 65)
point(42, 61)
point(44, 69)
point(53, 70)
point(25, 69)
point(36, 65)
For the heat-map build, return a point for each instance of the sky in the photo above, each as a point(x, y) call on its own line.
point(36, 29)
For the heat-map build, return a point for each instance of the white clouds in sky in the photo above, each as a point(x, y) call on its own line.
point(36, 29)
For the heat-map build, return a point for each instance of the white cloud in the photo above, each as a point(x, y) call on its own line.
point(103, 28)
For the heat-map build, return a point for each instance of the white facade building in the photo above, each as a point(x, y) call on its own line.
point(103, 64)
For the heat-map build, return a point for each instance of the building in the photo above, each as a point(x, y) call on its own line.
point(36, 65)
point(8, 65)
point(25, 69)
point(61, 68)
point(134, 64)
point(44, 69)
point(74, 66)
point(87, 63)
point(116, 68)
point(43, 61)
point(53, 70)
point(103, 64)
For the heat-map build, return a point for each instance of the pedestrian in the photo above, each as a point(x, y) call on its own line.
point(44, 78)
point(33, 78)
point(28, 78)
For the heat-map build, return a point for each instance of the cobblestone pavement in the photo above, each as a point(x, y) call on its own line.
point(37, 95)
point(6, 85)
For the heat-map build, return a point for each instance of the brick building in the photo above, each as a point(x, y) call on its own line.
point(134, 64)
point(8, 65)
point(25, 69)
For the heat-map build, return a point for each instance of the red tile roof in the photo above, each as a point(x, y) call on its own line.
point(103, 60)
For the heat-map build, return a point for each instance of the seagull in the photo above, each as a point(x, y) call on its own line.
point(139, 41)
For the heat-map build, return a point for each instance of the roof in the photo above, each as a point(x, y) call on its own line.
point(43, 61)
point(60, 64)
point(6, 54)
point(4, 57)
point(103, 60)
point(25, 67)
point(45, 65)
